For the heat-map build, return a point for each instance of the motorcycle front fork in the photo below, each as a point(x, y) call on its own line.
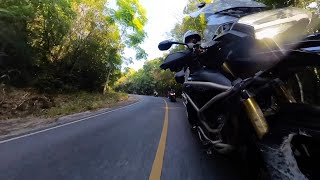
point(255, 116)
point(255, 113)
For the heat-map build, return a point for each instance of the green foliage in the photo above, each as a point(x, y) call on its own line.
point(13, 40)
point(147, 80)
point(197, 24)
point(67, 44)
point(132, 18)
point(140, 53)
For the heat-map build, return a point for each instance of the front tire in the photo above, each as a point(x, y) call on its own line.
point(253, 164)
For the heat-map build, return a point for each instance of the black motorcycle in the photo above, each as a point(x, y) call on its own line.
point(172, 96)
point(237, 95)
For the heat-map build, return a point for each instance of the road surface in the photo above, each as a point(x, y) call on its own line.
point(146, 140)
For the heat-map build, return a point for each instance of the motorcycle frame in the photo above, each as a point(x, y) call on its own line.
point(252, 108)
point(226, 90)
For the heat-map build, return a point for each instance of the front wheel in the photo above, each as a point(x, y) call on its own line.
point(172, 99)
point(253, 164)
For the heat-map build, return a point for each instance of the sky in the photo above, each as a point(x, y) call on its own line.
point(162, 16)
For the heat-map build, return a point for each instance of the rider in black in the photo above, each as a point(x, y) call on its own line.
point(199, 70)
point(168, 92)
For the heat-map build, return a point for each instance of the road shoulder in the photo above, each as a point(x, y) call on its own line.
point(19, 126)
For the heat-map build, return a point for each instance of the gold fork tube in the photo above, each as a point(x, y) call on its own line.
point(256, 117)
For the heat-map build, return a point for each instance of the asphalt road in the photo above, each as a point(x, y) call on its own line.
point(122, 144)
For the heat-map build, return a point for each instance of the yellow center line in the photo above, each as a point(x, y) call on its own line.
point(158, 160)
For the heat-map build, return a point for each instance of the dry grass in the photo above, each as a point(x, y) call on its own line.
point(83, 101)
point(24, 109)
point(23, 103)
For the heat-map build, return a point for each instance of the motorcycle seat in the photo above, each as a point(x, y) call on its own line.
point(209, 75)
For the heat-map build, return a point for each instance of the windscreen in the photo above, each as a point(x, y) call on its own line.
point(217, 24)
point(221, 5)
point(280, 24)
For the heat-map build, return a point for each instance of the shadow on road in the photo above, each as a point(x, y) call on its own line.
point(186, 157)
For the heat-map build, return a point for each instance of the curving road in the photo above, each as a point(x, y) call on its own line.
point(146, 140)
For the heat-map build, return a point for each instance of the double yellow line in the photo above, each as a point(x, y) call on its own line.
point(158, 161)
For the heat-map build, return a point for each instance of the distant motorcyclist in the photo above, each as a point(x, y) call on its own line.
point(172, 95)
point(168, 92)
point(155, 93)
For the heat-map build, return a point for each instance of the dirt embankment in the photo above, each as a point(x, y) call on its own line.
point(22, 102)
point(25, 109)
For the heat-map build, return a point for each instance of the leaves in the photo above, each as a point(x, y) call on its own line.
point(141, 53)
point(132, 18)
point(188, 23)
point(148, 79)
point(78, 44)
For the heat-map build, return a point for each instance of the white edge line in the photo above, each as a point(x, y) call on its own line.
point(65, 124)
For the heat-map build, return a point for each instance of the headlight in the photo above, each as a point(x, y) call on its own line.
point(267, 33)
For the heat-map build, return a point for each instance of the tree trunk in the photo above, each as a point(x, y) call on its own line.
point(106, 88)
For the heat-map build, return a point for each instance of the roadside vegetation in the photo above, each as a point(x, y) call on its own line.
point(64, 56)
point(83, 101)
point(26, 102)
point(23, 109)
point(146, 80)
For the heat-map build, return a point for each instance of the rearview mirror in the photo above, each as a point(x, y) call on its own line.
point(201, 5)
point(165, 45)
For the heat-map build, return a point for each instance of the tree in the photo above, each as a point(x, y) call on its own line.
point(67, 44)
point(197, 24)
point(148, 79)
point(131, 17)
point(15, 51)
